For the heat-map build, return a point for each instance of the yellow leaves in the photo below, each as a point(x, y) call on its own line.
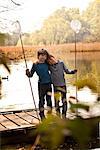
point(98, 1)
point(89, 81)
point(57, 96)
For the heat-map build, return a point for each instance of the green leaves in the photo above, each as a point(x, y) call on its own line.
point(57, 96)
point(51, 131)
point(80, 130)
point(78, 106)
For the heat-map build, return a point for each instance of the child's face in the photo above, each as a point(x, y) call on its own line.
point(42, 57)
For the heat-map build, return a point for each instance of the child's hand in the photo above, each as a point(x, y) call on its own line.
point(75, 70)
point(27, 72)
point(36, 61)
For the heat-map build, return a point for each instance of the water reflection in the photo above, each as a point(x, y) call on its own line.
point(16, 91)
point(17, 94)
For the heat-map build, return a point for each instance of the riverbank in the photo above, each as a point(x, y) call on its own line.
point(88, 51)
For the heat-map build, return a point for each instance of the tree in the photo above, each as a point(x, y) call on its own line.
point(92, 17)
point(2, 38)
point(56, 28)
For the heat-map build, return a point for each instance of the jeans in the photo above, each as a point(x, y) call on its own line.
point(62, 90)
point(44, 91)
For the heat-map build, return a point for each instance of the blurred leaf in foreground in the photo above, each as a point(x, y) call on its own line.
point(73, 107)
point(4, 60)
point(51, 131)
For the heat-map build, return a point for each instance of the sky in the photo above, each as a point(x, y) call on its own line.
point(31, 13)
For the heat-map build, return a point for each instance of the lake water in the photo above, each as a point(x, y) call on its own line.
point(16, 93)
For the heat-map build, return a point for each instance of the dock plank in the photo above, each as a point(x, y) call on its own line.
point(28, 118)
point(33, 113)
point(2, 128)
point(20, 122)
point(7, 123)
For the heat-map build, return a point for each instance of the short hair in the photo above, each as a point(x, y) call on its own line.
point(42, 52)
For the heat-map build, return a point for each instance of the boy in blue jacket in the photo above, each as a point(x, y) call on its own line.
point(44, 83)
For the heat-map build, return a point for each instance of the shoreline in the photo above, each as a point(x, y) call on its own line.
point(87, 51)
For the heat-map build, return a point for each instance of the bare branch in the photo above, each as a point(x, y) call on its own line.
point(15, 3)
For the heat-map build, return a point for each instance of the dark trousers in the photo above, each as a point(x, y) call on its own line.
point(62, 90)
point(44, 91)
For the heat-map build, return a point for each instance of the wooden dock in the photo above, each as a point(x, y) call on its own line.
point(17, 126)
